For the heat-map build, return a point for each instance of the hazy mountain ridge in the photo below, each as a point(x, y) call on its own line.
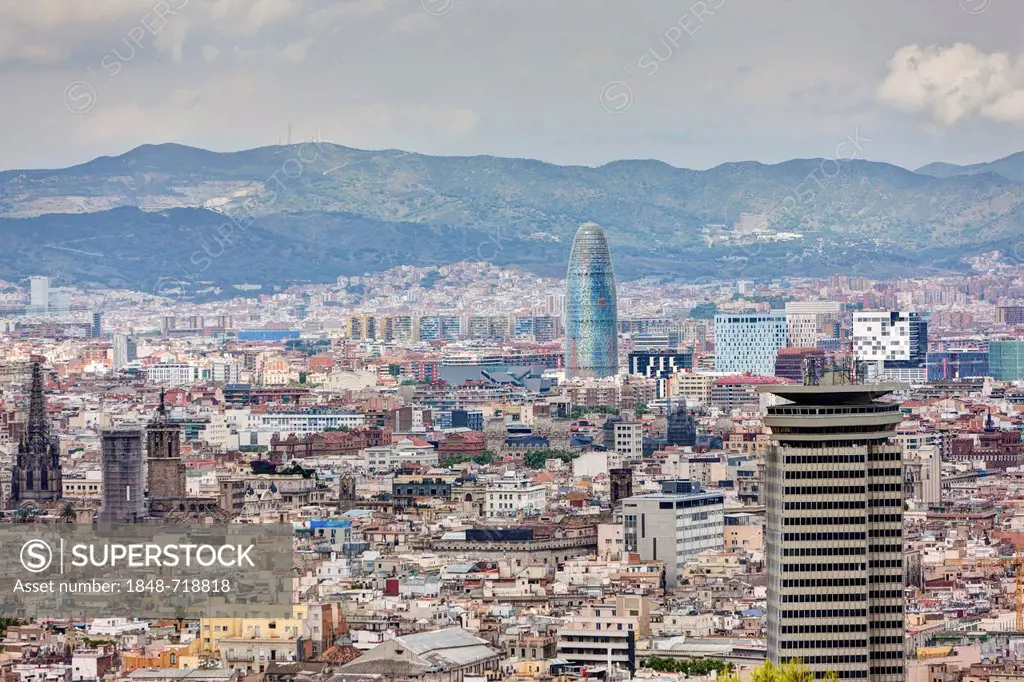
point(1010, 167)
point(321, 203)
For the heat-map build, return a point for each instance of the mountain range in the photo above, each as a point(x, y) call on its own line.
point(163, 215)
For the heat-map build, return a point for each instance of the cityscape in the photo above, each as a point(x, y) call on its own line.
point(464, 402)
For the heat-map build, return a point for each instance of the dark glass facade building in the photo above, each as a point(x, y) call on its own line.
point(591, 324)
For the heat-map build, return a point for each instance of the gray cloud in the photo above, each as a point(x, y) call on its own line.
point(760, 79)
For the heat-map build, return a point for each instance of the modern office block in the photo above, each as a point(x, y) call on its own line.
point(1006, 360)
point(749, 343)
point(674, 525)
point(834, 533)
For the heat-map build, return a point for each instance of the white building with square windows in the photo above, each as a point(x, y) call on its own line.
point(881, 336)
point(674, 526)
point(749, 343)
point(511, 494)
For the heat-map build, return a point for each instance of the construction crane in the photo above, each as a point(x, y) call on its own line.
point(1017, 561)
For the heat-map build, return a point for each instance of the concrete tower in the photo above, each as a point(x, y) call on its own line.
point(591, 316)
point(121, 461)
point(834, 534)
point(36, 475)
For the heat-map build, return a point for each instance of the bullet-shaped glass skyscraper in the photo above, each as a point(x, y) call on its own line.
point(591, 318)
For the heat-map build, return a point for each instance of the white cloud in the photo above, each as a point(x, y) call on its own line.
point(956, 83)
point(292, 53)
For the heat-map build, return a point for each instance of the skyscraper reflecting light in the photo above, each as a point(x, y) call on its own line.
point(591, 318)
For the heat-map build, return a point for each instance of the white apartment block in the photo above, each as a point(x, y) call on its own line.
point(674, 526)
point(403, 452)
point(86, 485)
point(906, 375)
point(172, 374)
point(225, 372)
point(628, 440)
point(594, 641)
point(804, 320)
point(510, 494)
point(39, 293)
point(305, 423)
point(694, 387)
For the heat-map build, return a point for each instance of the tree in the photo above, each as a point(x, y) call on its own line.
point(791, 671)
point(699, 666)
point(484, 458)
point(68, 513)
point(535, 459)
point(641, 409)
point(7, 621)
point(578, 412)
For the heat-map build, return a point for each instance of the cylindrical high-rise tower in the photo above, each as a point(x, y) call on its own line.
point(834, 530)
point(591, 317)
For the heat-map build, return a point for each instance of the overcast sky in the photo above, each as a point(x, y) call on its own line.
point(694, 84)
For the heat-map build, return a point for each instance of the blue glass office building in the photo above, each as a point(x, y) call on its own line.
point(957, 364)
point(591, 317)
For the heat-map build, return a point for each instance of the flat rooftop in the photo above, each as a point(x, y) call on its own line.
point(831, 394)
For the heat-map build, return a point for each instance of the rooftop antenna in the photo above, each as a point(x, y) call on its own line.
point(289, 133)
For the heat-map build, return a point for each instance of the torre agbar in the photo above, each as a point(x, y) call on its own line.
point(834, 532)
point(591, 319)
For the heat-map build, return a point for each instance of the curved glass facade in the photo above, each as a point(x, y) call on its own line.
point(591, 316)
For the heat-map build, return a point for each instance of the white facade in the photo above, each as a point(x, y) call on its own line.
point(628, 440)
point(172, 374)
point(673, 527)
point(115, 627)
point(597, 640)
point(511, 494)
point(879, 336)
point(590, 464)
point(305, 423)
point(906, 375)
point(394, 456)
point(748, 343)
point(924, 469)
point(124, 351)
point(225, 372)
point(813, 307)
point(804, 320)
point(39, 293)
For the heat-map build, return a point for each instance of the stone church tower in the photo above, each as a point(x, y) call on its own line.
point(36, 475)
point(163, 451)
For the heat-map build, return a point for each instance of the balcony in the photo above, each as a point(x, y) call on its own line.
point(244, 656)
